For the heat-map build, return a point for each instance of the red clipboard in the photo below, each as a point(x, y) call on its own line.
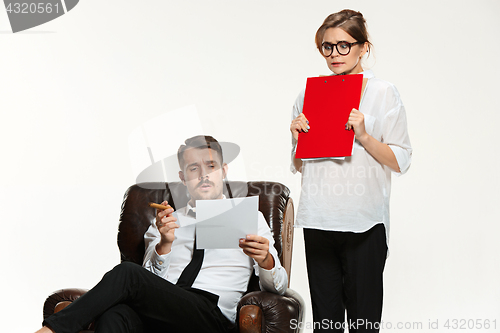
point(328, 102)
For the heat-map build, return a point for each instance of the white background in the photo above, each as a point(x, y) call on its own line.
point(73, 90)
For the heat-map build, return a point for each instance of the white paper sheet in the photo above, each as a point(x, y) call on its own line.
point(221, 223)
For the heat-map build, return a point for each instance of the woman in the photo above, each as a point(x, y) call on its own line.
point(344, 204)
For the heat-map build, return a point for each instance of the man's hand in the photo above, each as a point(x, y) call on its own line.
point(298, 125)
point(257, 248)
point(166, 225)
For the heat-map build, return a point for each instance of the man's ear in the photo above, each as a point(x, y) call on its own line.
point(224, 170)
point(181, 176)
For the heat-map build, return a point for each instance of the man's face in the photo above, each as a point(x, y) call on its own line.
point(203, 174)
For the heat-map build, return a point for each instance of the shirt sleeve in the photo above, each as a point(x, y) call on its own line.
point(153, 262)
point(297, 109)
point(395, 130)
point(274, 280)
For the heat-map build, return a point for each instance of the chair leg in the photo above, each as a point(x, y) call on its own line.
point(250, 319)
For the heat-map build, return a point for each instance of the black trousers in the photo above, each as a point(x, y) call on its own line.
point(131, 299)
point(345, 273)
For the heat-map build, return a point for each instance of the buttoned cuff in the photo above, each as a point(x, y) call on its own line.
point(268, 277)
point(160, 262)
point(274, 280)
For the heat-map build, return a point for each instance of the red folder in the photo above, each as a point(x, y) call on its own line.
point(328, 102)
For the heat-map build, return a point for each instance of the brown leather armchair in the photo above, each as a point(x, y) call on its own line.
point(258, 311)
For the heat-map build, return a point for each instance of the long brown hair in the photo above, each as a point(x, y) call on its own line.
point(348, 20)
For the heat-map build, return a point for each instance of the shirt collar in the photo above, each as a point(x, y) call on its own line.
point(368, 74)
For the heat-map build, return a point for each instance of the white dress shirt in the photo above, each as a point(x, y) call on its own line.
point(225, 272)
point(353, 194)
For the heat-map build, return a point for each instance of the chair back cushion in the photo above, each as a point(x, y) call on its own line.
point(136, 216)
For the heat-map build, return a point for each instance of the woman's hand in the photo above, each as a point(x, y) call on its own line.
point(357, 123)
point(380, 151)
point(299, 124)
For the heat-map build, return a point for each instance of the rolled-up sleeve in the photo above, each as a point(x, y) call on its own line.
point(403, 156)
point(395, 130)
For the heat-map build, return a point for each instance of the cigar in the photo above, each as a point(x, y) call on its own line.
point(157, 206)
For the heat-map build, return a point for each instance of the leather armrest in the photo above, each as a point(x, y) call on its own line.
point(59, 296)
point(61, 299)
point(275, 312)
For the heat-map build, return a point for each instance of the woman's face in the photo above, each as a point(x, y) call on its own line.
point(344, 64)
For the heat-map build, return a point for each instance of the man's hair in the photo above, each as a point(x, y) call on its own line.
point(199, 142)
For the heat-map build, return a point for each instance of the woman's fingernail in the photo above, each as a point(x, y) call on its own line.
point(308, 127)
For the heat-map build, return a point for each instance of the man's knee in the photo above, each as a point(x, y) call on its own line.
point(124, 274)
point(126, 268)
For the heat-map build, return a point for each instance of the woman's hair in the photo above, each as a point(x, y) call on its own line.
point(348, 20)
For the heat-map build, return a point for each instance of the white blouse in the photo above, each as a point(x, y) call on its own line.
point(353, 194)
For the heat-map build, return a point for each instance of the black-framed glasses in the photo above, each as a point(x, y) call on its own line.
point(343, 48)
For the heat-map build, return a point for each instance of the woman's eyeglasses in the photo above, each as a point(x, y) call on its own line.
point(343, 48)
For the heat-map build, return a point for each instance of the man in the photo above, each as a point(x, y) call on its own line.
point(181, 289)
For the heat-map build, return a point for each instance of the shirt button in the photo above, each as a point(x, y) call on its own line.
point(161, 262)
